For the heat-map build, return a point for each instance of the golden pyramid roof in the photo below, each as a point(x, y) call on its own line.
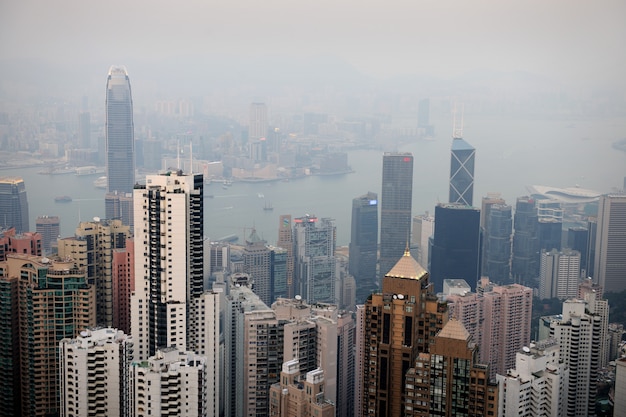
point(454, 329)
point(407, 267)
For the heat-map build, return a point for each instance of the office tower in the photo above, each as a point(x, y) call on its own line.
point(285, 241)
point(123, 284)
point(258, 121)
point(13, 204)
point(507, 315)
point(169, 262)
point(314, 259)
point(84, 130)
point(219, 257)
point(549, 233)
point(364, 244)
point(120, 143)
point(577, 239)
point(257, 262)
point(53, 302)
point(279, 272)
point(497, 233)
point(160, 382)
point(456, 244)
point(462, 172)
point(24, 243)
point(525, 259)
point(95, 373)
point(609, 266)
point(579, 336)
point(300, 394)
point(449, 380)
point(486, 203)
point(400, 323)
point(253, 342)
point(49, 228)
point(619, 407)
point(536, 386)
point(592, 226)
point(119, 205)
point(559, 274)
point(395, 208)
point(92, 248)
point(423, 230)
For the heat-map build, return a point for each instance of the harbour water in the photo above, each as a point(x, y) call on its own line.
point(510, 154)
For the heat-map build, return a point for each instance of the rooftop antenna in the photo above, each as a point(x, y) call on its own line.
point(457, 133)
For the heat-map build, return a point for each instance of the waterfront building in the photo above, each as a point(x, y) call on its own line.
point(395, 208)
point(219, 257)
point(525, 249)
point(119, 131)
point(462, 160)
point(257, 262)
point(169, 262)
point(159, 383)
point(13, 204)
point(610, 241)
point(91, 249)
point(285, 241)
point(456, 244)
point(560, 274)
point(299, 393)
point(84, 130)
point(536, 386)
point(49, 228)
point(49, 300)
point(423, 230)
point(315, 261)
point(95, 373)
point(579, 333)
point(258, 125)
point(496, 263)
point(364, 244)
point(448, 380)
point(399, 323)
point(278, 261)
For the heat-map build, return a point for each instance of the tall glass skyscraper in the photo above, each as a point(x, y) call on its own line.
point(395, 208)
point(525, 260)
point(364, 245)
point(120, 144)
point(13, 204)
point(462, 172)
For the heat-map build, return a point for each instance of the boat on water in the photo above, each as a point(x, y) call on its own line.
point(268, 206)
point(101, 182)
point(89, 170)
point(62, 199)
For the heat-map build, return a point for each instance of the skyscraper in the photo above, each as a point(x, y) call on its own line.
point(285, 241)
point(400, 323)
point(609, 265)
point(456, 244)
point(395, 208)
point(13, 204)
point(496, 263)
point(577, 239)
point(169, 262)
point(462, 172)
point(560, 274)
point(49, 228)
point(423, 229)
point(364, 244)
point(120, 144)
point(258, 121)
point(257, 262)
point(525, 259)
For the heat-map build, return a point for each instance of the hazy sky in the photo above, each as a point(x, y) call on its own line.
point(576, 41)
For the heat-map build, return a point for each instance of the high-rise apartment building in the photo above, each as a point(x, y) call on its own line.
point(172, 382)
point(525, 258)
point(53, 302)
point(123, 284)
point(169, 262)
point(13, 204)
point(119, 205)
point(456, 244)
point(560, 274)
point(395, 208)
point(315, 261)
point(400, 323)
point(24, 243)
point(536, 386)
point(619, 407)
point(92, 248)
point(360, 366)
point(95, 373)
point(462, 172)
point(300, 394)
point(49, 227)
point(423, 230)
point(364, 245)
point(496, 262)
point(610, 241)
point(448, 380)
point(120, 144)
point(257, 262)
point(285, 241)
